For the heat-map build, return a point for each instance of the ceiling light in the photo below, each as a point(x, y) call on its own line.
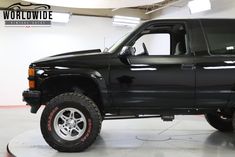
point(196, 6)
point(123, 24)
point(126, 21)
point(60, 17)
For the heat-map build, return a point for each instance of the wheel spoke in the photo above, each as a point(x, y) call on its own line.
point(70, 132)
point(78, 120)
point(71, 114)
point(77, 129)
point(64, 118)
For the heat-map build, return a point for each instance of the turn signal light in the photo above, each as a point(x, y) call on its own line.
point(31, 72)
point(31, 84)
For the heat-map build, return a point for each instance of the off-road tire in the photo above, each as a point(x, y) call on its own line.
point(216, 121)
point(77, 101)
point(233, 121)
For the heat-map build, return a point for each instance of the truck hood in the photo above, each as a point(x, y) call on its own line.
point(68, 56)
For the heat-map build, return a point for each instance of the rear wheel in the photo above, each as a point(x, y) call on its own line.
point(233, 121)
point(219, 122)
point(70, 122)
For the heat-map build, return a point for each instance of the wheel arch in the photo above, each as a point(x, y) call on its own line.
point(90, 83)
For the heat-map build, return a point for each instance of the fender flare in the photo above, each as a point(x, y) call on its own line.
point(94, 75)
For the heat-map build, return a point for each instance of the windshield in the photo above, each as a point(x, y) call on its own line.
point(119, 41)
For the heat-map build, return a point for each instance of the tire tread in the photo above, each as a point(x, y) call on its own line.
point(91, 107)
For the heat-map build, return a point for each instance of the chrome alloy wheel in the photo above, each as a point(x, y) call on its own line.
point(70, 124)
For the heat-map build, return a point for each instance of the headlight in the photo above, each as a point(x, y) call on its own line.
point(40, 72)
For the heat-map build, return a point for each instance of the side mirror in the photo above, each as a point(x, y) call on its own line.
point(127, 51)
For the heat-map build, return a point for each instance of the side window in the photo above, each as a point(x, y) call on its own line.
point(220, 35)
point(156, 44)
point(161, 40)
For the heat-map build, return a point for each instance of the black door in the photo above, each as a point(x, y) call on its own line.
point(215, 80)
point(153, 81)
point(215, 74)
point(162, 76)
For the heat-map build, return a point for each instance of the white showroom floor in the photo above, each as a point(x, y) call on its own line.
point(189, 136)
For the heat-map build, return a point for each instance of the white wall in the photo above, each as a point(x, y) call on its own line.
point(220, 9)
point(20, 46)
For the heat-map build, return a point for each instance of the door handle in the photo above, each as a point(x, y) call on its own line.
point(188, 67)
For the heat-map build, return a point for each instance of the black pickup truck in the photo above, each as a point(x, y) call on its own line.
point(183, 67)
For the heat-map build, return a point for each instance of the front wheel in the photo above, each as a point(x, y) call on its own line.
point(70, 122)
point(219, 122)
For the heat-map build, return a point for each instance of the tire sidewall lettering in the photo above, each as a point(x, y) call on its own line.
point(50, 119)
point(88, 131)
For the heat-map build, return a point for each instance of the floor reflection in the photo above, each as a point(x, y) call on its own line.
point(220, 139)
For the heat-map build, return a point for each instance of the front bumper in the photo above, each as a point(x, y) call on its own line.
point(32, 98)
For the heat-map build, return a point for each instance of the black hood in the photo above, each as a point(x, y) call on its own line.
point(68, 56)
point(78, 52)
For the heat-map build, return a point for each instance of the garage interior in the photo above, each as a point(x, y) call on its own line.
point(186, 135)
